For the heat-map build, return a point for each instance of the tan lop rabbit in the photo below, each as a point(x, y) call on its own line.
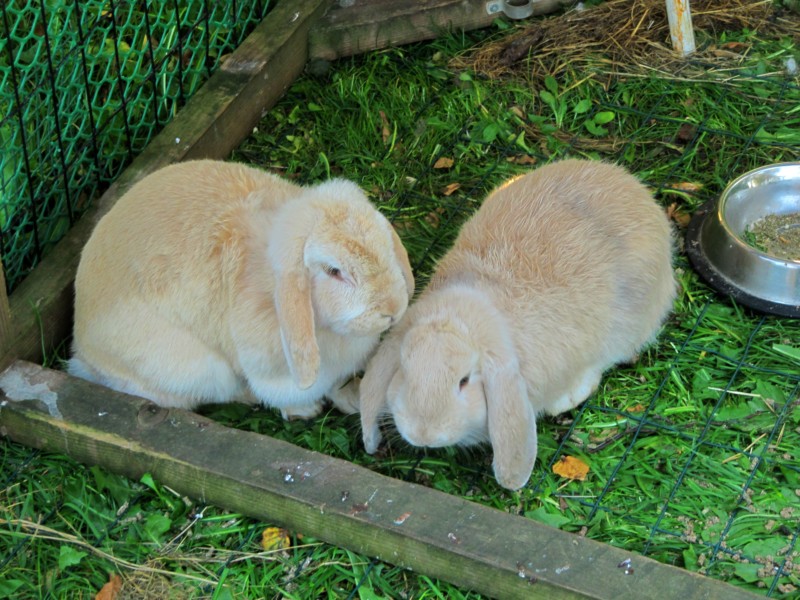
point(561, 274)
point(211, 281)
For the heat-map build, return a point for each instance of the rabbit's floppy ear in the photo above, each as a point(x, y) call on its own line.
point(378, 375)
point(295, 310)
point(511, 420)
point(402, 259)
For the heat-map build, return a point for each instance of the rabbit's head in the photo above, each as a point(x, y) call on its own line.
point(436, 396)
point(361, 278)
point(338, 265)
point(454, 379)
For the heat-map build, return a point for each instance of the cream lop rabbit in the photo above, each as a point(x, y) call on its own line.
point(210, 281)
point(561, 274)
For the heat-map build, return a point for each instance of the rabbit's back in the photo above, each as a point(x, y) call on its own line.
point(164, 261)
point(563, 220)
point(177, 238)
point(188, 212)
point(578, 257)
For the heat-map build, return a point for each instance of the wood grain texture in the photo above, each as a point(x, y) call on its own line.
point(213, 122)
point(5, 319)
point(373, 24)
point(473, 546)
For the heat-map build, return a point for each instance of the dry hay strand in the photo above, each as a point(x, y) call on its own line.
point(151, 585)
point(607, 144)
point(610, 144)
point(625, 33)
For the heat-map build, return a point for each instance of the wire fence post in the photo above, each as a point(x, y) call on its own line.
point(680, 26)
point(5, 320)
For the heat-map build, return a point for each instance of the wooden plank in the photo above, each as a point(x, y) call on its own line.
point(473, 546)
point(213, 122)
point(354, 27)
point(5, 318)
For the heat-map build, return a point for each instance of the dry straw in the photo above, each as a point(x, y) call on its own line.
point(628, 34)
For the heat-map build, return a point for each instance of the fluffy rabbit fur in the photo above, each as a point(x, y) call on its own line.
point(211, 281)
point(561, 274)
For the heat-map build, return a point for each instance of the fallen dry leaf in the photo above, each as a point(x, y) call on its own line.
point(111, 589)
point(274, 538)
point(636, 408)
point(386, 131)
point(719, 53)
point(518, 112)
point(686, 132)
point(735, 46)
point(686, 186)
point(443, 163)
point(433, 217)
point(449, 189)
point(571, 468)
point(603, 436)
point(402, 225)
point(681, 218)
point(522, 159)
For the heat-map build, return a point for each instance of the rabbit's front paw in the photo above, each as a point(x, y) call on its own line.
point(345, 397)
point(302, 411)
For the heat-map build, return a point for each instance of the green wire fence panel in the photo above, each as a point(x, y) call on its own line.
point(84, 85)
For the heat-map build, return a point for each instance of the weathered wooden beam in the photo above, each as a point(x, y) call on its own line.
point(5, 319)
point(473, 546)
point(213, 122)
point(362, 25)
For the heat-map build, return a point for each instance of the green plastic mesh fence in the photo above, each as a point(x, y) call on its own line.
point(84, 86)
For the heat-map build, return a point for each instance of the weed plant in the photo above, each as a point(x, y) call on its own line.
point(692, 450)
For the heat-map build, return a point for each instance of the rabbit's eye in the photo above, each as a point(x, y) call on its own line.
point(333, 272)
point(464, 381)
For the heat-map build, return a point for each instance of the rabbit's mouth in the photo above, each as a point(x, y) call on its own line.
point(363, 325)
point(431, 436)
point(426, 436)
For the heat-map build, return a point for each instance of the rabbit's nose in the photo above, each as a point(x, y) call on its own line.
point(392, 318)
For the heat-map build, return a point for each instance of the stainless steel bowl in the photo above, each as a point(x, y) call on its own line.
point(719, 252)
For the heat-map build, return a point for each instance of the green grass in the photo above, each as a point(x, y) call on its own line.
point(693, 450)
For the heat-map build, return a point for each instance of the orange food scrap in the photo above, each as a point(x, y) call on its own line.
point(571, 468)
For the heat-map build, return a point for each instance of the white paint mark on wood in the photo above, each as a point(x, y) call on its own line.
point(18, 387)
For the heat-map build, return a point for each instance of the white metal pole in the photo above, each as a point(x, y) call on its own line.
point(680, 26)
